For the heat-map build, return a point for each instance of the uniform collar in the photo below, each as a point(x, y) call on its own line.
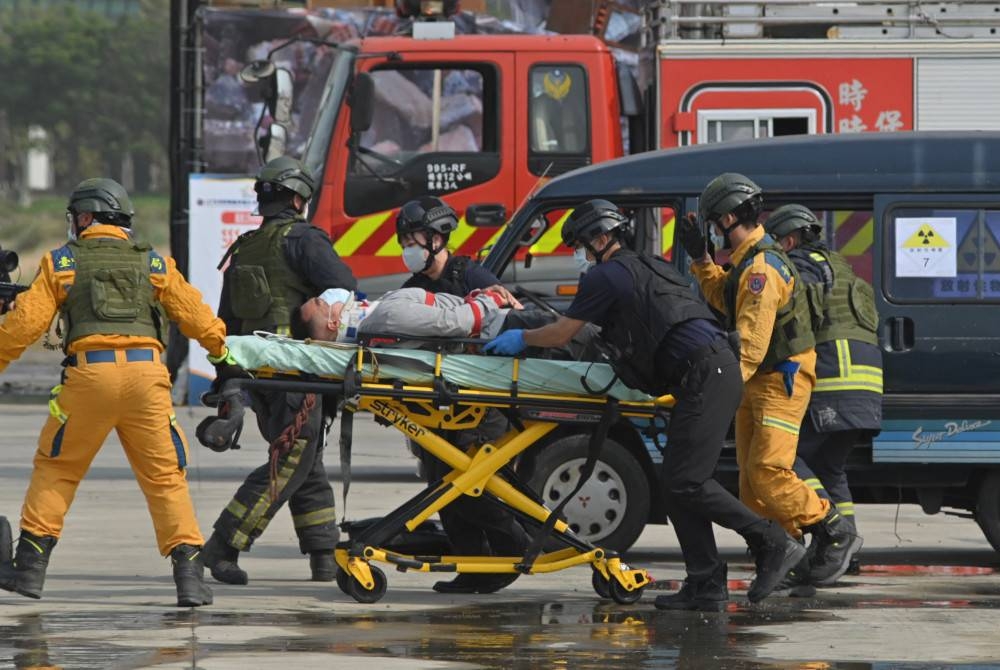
point(741, 251)
point(104, 230)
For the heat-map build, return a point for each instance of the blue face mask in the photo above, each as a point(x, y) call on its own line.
point(580, 258)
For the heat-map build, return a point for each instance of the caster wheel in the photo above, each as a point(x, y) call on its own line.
point(363, 595)
point(602, 586)
point(621, 596)
point(343, 580)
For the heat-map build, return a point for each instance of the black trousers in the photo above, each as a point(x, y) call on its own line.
point(707, 400)
point(477, 525)
point(302, 481)
point(822, 456)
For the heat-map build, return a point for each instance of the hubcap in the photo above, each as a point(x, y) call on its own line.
point(598, 509)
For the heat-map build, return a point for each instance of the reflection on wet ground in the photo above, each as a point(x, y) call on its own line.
point(578, 633)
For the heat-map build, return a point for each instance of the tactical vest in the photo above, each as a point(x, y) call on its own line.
point(452, 279)
point(634, 329)
point(263, 290)
point(792, 332)
point(112, 293)
point(843, 306)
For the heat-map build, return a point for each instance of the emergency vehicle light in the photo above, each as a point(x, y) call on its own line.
point(428, 9)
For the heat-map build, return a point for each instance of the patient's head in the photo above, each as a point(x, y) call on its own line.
point(321, 315)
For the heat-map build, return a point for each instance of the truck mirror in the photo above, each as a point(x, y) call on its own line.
point(256, 71)
point(362, 102)
point(479, 216)
point(537, 228)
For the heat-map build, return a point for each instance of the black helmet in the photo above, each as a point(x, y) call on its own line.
point(789, 218)
point(590, 220)
point(426, 213)
point(288, 173)
point(724, 194)
point(105, 198)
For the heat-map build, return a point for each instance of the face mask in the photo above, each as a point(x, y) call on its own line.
point(415, 258)
point(335, 295)
point(718, 240)
point(580, 258)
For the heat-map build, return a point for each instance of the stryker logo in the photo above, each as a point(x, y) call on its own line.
point(951, 429)
point(397, 419)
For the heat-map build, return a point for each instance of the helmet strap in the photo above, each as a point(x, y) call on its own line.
point(432, 251)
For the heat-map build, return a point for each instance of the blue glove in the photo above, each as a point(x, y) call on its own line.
point(507, 343)
point(788, 370)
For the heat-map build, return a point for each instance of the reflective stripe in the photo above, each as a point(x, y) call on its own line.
point(780, 424)
point(667, 236)
point(236, 508)
point(814, 483)
point(552, 237)
point(360, 231)
point(851, 377)
point(314, 518)
point(54, 409)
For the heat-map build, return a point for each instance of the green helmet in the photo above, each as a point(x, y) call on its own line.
point(724, 194)
point(789, 218)
point(103, 197)
point(286, 172)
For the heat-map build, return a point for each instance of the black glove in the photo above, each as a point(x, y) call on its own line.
point(692, 236)
point(225, 371)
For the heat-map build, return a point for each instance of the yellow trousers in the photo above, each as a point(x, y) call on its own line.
point(125, 390)
point(767, 434)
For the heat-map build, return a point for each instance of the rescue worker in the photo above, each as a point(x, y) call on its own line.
point(846, 405)
point(664, 340)
point(114, 296)
point(272, 271)
point(474, 525)
point(764, 300)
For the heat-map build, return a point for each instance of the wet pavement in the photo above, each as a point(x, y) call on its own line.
point(927, 596)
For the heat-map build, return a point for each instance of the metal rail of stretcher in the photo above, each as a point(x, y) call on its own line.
point(414, 410)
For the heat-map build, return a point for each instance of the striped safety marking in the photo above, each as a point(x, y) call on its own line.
point(360, 231)
point(667, 236)
point(552, 237)
point(854, 232)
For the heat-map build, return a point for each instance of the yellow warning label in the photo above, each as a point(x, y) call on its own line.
point(925, 237)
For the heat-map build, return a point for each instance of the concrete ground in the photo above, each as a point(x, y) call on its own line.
point(928, 595)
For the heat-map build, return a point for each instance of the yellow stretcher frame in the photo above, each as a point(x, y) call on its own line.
point(416, 409)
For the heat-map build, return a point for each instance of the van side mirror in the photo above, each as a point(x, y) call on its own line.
point(486, 215)
point(362, 102)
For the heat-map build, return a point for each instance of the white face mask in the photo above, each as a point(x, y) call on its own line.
point(580, 258)
point(718, 240)
point(415, 258)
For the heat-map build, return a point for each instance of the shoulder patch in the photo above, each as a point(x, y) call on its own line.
point(775, 262)
point(756, 281)
point(62, 259)
point(157, 265)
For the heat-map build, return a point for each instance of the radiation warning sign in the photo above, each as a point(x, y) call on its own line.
point(926, 247)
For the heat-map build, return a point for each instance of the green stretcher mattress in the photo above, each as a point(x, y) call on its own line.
point(416, 367)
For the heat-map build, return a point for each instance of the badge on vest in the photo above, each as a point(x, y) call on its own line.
point(756, 282)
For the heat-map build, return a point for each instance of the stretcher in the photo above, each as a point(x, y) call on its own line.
point(418, 391)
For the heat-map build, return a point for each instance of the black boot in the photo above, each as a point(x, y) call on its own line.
point(471, 582)
point(838, 541)
point(775, 554)
point(220, 559)
point(322, 565)
point(796, 583)
point(189, 576)
point(709, 594)
point(26, 573)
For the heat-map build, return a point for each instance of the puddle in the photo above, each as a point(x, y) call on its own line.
point(574, 634)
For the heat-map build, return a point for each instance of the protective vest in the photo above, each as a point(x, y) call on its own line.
point(635, 329)
point(843, 307)
point(263, 290)
point(452, 280)
point(112, 293)
point(792, 332)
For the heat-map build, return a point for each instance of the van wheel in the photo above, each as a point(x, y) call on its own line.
point(988, 508)
point(612, 508)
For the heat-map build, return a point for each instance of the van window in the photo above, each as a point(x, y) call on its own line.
point(943, 254)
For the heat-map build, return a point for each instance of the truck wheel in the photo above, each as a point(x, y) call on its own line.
point(612, 508)
point(988, 508)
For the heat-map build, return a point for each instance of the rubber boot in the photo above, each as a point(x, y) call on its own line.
point(838, 542)
point(220, 559)
point(709, 594)
point(796, 583)
point(26, 573)
point(189, 576)
point(322, 565)
point(775, 554)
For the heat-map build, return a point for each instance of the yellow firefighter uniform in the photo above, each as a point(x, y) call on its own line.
point(768, 419)
point(112, 381)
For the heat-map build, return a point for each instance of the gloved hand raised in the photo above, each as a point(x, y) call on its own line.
point(692, 236)
point(508, 343)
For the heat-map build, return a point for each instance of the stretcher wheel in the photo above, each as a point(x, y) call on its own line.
point(602, 586)
point(363, 595)
point(622, 596)
point(343, 580)
point(6, 541)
